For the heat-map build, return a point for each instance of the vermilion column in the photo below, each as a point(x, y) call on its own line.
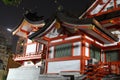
point(83, 54)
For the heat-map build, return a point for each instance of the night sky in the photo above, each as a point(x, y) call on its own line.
point(10, 16)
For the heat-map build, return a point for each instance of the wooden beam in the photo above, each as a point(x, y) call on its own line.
point(65, 42)
point(58, 37)
point(66, 58)
point(103, 35)
point(93, 43)
point(104, 7)
point(93, 37)
point(114, 47)
point(106, 12)
point(95, 4)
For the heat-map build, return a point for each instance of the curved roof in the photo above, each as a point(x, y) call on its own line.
point(30, 23)
point(33, 18)
point(74, 21)
point(43, 30)
point(64, 18)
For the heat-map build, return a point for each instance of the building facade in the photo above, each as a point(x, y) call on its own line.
point(69, 44)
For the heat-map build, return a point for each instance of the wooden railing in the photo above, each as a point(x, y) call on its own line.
point(20, 57)
point(97, 71)
point(115, 67)
point(102, 69)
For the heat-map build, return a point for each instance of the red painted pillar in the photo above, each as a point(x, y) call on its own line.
point(83, 54)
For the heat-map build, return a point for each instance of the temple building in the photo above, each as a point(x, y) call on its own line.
point(28, 52)
point(87, 46)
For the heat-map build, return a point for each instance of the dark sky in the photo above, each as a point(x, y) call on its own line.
point(10, 16)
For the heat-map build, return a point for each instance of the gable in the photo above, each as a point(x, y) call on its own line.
point(53, 33)
point(100, 7)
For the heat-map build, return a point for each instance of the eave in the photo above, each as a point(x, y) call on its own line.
point(112, 47)
point(102, 7)
point(44, 30)
point(88, 25)
point(27, 26)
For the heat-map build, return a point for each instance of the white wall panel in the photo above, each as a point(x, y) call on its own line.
point(76, 48)
point(51, 52)
point(57, 67)
point(87, 49)
point(31, 48)
point(24, 73)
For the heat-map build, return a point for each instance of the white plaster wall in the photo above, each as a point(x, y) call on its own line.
point(57, 67)
point(77, 49)
point(51, 52)
point(86, 62)
point(87, 49)
point(118, 1)
point(31, 49)
point(24, 73)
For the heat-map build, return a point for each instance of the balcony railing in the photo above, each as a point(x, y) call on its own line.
point(30, 56)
